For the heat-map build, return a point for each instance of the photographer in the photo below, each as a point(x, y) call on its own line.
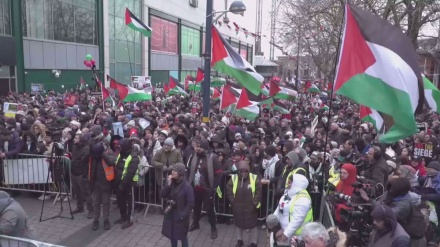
point(386, 230)
point(180, 202)
point(348, 177)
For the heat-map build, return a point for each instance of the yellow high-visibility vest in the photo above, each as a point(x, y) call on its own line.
point(295, 171)
point(252, 181)
point(309, 215)
point(127, 163)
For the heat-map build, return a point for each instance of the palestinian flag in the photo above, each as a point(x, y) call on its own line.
point(278, 106)
point(188, 79)
point(226, 60)
point(113, 82)
point(324, 107)
point(131, 94)
point(313, 89)
point(307, 86)
point(134, 23)
point(104, 91)
point(82, 84)
point(215, 94)
point(194, 86)
point(175, 87)
point(166, 88)
point(280, 92)
point(432, 95)
point(378, 68)
point(217, 82)
point(246, 108)
point(200, 75)
point(228, 97)
point(371, 116)
point(265, 89)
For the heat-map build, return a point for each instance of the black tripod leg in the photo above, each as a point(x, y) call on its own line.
point(68, 198)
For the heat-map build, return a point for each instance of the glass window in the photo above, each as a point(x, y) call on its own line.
point(125, 43)
point(63, 20)
point(190, 41)
point(164, 37)
point(5, 17)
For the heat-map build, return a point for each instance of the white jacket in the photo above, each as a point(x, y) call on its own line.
point(301, 207)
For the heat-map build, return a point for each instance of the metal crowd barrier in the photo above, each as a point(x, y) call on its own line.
point(34, 173)
point(326, 217)
point(7, 241)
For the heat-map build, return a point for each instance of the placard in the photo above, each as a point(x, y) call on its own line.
point(37, 87)
point(142, 82)
point(423, 150)
point(421, 127)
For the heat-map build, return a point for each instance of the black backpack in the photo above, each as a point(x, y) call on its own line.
point(416, 224)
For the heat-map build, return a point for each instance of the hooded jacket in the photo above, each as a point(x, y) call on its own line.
point(13, 219)
point(80, 158)
point(301, 207)
point(126, 150)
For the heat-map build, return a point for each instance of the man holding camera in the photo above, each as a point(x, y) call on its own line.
point(180, 202)
point(377, 171)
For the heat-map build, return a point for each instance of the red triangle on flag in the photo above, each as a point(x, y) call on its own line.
point(364, 111)
point(274, 88)
point(227, 98)
point(166, 88)
point(200, 75)
point(113, 82)
point(105, 93)
point(243, 100)
point(215, 94)
point(356, 55)
point(308, 85)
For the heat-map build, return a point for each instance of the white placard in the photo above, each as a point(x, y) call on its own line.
point(142, 82)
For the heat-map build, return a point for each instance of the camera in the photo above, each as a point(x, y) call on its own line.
point(170, 206)
point(342, 196)
point(359, 224)
point(58, 148)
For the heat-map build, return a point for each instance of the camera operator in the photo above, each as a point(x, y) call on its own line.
point(376, 171)
point(180, 202)
point(344, 187)
point(386, 230)
point(400, 200)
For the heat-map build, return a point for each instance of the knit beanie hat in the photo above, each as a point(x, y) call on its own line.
point(179, 168)
point(434, 165)
point(384, 212)
point(169, 141)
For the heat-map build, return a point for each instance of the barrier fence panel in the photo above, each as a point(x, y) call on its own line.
point(35, 173)
point(326, 216)
point(7, 241)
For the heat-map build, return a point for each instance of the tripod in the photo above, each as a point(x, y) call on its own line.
point(57, 171)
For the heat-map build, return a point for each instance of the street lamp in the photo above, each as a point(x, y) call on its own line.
point(237, 7)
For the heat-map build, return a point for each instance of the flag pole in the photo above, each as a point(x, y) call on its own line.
point(334, 80)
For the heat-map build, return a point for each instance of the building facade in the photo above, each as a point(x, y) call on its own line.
point(45, 41)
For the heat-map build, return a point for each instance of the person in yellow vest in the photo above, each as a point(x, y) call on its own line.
point(294, 209)
point(126, 177)
point(244, 192)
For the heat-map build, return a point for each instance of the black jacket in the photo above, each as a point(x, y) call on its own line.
point(131, 170)
point(80, 159)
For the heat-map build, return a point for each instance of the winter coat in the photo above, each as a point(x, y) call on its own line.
point(176, 223)
point(398, 238)
point(13, 219)
point(163, 160)
point(244, 204)
point(80, 159)
point(15, 145)
point(131, 170)
point(378, 172)
point(301, 207)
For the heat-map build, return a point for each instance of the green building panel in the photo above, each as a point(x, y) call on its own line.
point(70, 79)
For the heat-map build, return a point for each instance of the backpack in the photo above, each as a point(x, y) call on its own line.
point(416, 224)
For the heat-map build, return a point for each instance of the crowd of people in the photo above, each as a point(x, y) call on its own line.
point(272, 171)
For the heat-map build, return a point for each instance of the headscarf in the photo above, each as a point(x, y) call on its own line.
point(344, 186)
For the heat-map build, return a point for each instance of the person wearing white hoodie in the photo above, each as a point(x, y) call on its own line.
point(294, 209)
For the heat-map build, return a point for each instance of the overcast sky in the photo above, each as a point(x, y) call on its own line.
point(248, 21)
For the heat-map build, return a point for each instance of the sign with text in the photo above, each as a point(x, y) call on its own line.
point(142, 82)
point(422, 126)
point(423, 150)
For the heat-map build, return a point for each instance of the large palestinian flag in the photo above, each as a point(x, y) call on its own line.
point(134, 23)
point(378, 68)
point(432, 95)
point(228, 97)
point(226, 60)
point(175, 87)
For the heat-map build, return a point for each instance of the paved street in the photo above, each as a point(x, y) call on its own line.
point(146, 231)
